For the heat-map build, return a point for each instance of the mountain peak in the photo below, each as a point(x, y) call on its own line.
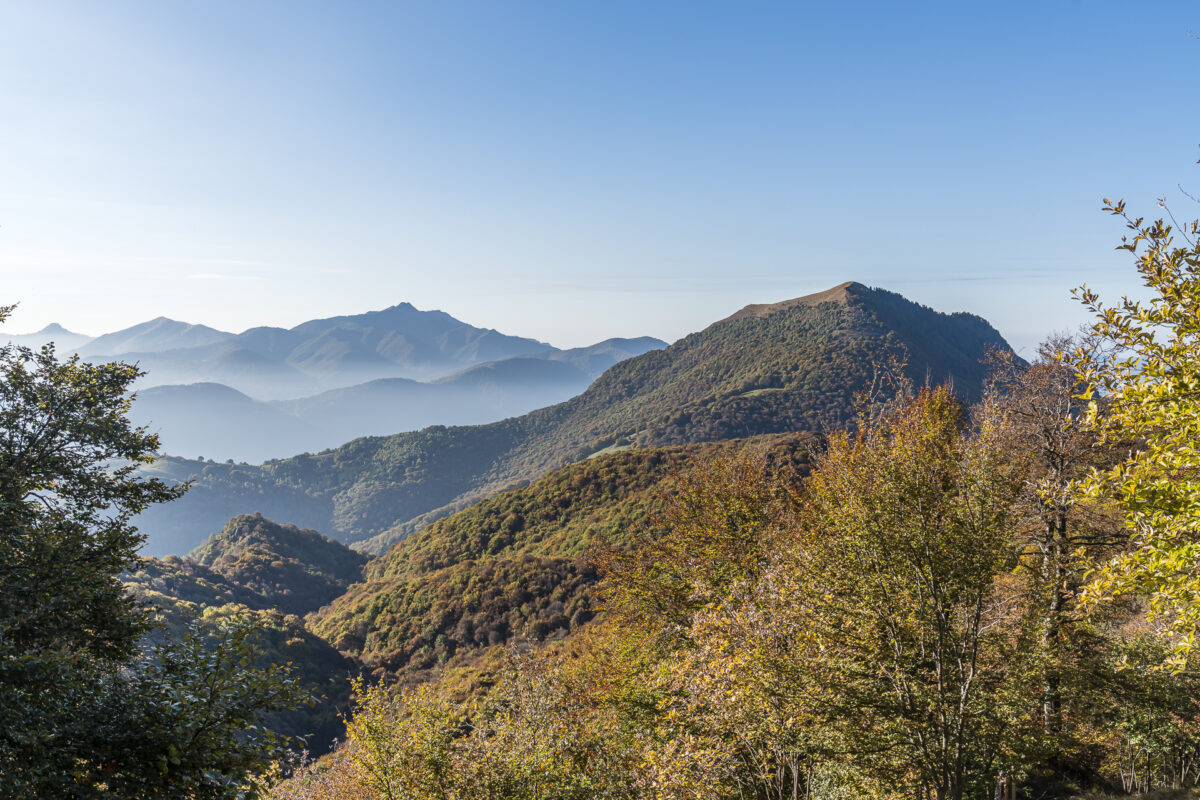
point(842, 294)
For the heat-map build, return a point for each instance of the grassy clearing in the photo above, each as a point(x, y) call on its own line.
point(612, 448)
point(758, 392)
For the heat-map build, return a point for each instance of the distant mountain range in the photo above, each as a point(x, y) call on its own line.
point(156, 336)
point(791, 366)
point(216, 421)
point(273, 392)
point(276, 363)
point(53, 333)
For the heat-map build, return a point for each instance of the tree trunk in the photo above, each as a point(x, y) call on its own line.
point(1051, 686)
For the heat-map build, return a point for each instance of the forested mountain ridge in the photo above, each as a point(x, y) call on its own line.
point(273, 573)
point(517, 564)
point(795, 366)
point(188, 582)
point(257, 563)
point(293, 569)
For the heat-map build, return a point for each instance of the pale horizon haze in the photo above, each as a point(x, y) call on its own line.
point(576, 171)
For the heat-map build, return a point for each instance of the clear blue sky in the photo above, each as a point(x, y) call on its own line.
point(577, 170)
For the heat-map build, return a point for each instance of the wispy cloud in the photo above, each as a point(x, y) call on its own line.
point(227, 262)
point(216, 276)
point(627, 284)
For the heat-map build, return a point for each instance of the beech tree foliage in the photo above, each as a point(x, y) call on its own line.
point(895, 583)
point(1142, 378)
point(85, 710)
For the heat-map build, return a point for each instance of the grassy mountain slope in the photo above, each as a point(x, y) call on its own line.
point(768, 369)
point(514, 564)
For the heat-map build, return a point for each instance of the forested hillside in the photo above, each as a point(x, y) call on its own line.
point(518, 564)
point(898, 611)
point(271, 574)
point(791, 366)
point(294, 570)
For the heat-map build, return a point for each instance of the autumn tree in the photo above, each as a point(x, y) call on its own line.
point(1141, 374)
point(540, 734)
point(719, 723)
point(714, 531)
point(1033, 412)
point(851, 637)
point(892, 588)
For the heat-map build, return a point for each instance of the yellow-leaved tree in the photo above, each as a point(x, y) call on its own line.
point(1142, 373)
